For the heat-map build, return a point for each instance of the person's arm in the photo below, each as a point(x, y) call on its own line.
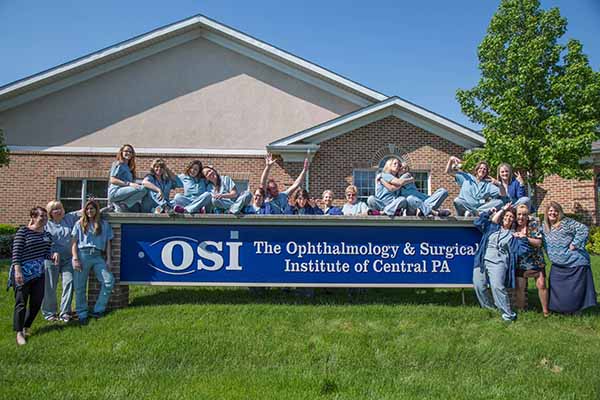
point(75, 255)
point(580, 234)
point(401, 181)
point(452, 161)
point(389, 186)
point(497, 216)
point(300, 178)
point(228, 183)
point(113, 180)
point(151, 186)
point(17, 255)
point(269, 161)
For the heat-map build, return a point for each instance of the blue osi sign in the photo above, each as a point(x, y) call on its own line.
point(298, 255)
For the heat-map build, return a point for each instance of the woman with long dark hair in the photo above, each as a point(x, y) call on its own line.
point(225, 197)
point(90, 250)
point(30, 252)
point(195, 195)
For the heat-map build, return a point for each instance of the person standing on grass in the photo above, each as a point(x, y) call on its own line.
point(478, 191)
point(531, 264)
point(90, 250)
point(496, 259)
point(571, 280)
point(123, 192)
point(31, 251)
point(279, 200)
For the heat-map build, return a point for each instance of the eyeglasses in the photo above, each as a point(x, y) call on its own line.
point(127, 151)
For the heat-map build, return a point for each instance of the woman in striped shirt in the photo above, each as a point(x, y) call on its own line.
point(31, 250)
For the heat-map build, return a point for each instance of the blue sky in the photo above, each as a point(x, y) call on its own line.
point(420, 51)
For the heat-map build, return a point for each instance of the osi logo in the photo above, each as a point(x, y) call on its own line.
point(180, 255)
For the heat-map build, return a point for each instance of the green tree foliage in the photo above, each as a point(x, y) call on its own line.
point(3, 150)
point(537, 100)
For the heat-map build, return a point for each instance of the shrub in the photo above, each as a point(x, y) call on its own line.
point(593, 245)
point(6, 245)
point(6, 229)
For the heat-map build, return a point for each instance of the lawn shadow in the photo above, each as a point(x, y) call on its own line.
point(168, 296)
point(56, 327)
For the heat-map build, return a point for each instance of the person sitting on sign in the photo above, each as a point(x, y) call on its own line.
point(478, 191)
point(123, 192)
point(418, 203)
point(514, 186)
point(160, 181)
point(259, 205)
point(195, 196)
point(353, 206)
point(386, 200)
point(277, 199)
point(496, 259)
point(328, 207)
point(303, 204)
point(224, 194)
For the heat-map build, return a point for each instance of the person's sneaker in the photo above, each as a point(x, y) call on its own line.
point(444, 212)
point(21, 341)
point(51, 318)
point(179, 209)
point(468, 214)
point(65, 317)
point(27, 332)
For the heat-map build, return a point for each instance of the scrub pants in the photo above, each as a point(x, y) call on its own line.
point(390, 208)
point(91, 259)
point(432, 202)
point(65, 268)
point(463, 206)
point(191, 204)
point(494, 274)
point(128, 196)
point(232, 206)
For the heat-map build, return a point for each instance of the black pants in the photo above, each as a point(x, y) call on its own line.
point(32, 292)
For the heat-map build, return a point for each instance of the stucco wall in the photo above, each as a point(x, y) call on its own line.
point(196, 95)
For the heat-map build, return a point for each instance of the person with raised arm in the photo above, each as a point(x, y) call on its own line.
point(388, 198)
point(478, 191)
point(513, 185)
point(279, 200)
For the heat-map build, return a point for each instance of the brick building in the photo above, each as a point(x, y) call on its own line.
point(198, 89)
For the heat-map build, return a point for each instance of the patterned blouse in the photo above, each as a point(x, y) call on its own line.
point(534, 259)
point(558, 239)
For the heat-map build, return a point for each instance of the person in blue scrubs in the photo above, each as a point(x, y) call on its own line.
point(353, 206)
point(478, 191)
point(159, 182)
point(224, 194)
point(328, 207)
point(259, 206)
point(513, 185)
point(388, 198)
point(195, 196)
point(279, 200)
point(123, 192)
point(90, 250)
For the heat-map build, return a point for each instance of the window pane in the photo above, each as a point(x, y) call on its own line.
point(97, 189)
point(69, 188)
point(241, 185)
point(71, 205)
point(421, 180)
point(364, 180)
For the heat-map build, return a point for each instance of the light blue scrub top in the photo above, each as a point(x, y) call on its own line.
point(355, 209)
point(61, 234)
point(381, 192)
point(192, 187)
point(279, 203)
point(410, 189)
point(227, 185)
point(164, 186)
point(89, 239)
point(120, 171)
point(475, 192)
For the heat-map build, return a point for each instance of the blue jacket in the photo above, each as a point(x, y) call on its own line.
point(334, 211)
point(516, 190)
point(308, 210)
point(517, 247)
point(264, 210)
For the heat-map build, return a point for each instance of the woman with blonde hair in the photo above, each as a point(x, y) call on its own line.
point(353, 206)
point(159, 182)
point(531, 264)
point(90, 250)
point(123, 192)
point(512, 184)
point(571, 281)
point(387, 199)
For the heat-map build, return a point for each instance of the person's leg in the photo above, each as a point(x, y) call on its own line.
point(222, 204)
point(241, 202)
point(181, 200)
point(523, 200)
point(492, 203)
point(21, 299)
point(107, 282)
point(497, 275)
point(36, 296)
point(481, 288)
point(51, 273)
point(66, 299)
point(413, 203)
point(80, 279)
point(128, 195)
point(399, 203)
point(520, 288)
point(374, 203)
point(462, 206)
point(202, 201)
point(540, 283)
point(435, 201)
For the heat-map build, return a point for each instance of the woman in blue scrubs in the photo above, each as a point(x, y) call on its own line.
point(123, 192)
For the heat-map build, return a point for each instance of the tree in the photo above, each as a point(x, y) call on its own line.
point(537, 100)
point(3, 150)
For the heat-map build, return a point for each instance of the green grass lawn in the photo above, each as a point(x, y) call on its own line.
point(199, 343)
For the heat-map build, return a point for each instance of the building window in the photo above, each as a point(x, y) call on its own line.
point(73, 193)
point(241, 185)
point(364, 180)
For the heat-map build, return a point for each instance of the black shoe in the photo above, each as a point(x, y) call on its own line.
point(96, 315)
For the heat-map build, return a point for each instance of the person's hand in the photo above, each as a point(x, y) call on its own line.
point(56, 258)
point(519, 234)
point(507, 206)
point(572, 247)
point(160, 195)
point(18, 277)
point(269, 161)
point(312, 203)
point(76, 264)
point(493, 211)
point(217, 196)
point(455, 160)
point(494, 181)
point(135, 185)
point(519, 177)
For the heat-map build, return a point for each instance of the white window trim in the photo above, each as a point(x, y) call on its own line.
point(84, 189)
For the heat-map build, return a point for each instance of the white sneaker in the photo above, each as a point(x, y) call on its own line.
point(21, 341)
point(468, 214)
